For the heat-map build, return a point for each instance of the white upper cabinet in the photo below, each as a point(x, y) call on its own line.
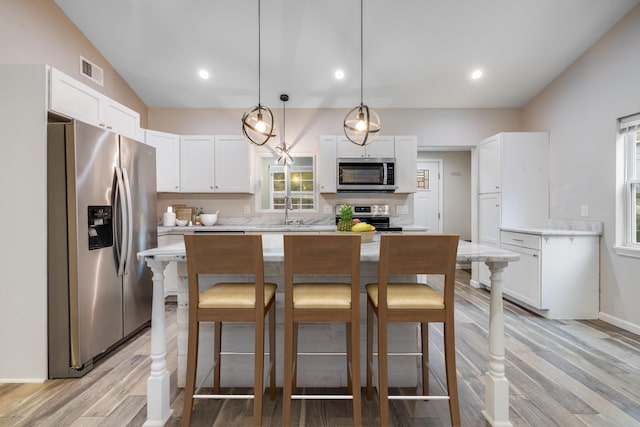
point(215, 164)
point(74, 99)
point(196, 164)
point(406, 154)
point(383, 146)
point(327, 165)
point(233, 164)
point(167, 147)
point(489, 158)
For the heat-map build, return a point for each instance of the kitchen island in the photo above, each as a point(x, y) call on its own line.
point(158, 408)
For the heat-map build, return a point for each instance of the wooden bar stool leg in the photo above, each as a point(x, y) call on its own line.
point(355, 371)
point(217, 347)
point(349, 358)
point(294, 382)
point(424, 333)
point(383, 371)
point(287, 374)
point(272, 350)
point(258, 373)
point(369, 351)
point(452, 380)
point(192, 366)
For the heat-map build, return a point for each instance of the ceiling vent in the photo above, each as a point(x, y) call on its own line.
point(91, 71)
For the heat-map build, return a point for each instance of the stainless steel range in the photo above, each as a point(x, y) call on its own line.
point(376, 215)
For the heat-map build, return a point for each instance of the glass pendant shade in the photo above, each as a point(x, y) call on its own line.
point(258, 125)
point(362, 125)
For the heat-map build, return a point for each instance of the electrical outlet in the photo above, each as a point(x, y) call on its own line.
point(327, 209)
point(584, 211)
point(247, 209)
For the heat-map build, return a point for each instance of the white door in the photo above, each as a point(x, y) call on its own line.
point(427, 199)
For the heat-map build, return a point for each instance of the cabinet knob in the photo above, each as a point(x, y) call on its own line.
point(101, 125)
point(109, 127)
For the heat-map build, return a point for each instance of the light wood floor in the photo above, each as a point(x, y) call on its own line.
point(564, 373)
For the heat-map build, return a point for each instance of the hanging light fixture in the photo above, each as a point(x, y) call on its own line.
point(282, 150)
point(258, 125)
point(362, 124)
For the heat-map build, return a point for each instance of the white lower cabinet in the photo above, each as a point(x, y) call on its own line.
point(557, 276)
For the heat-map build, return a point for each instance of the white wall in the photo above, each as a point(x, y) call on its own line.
point(23, 253)
point(580, 109)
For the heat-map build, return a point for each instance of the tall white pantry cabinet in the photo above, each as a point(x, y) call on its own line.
point(513, 186)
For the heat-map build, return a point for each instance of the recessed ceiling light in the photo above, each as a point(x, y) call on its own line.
point(476, 74)
point(339, 74)
point(204, 74)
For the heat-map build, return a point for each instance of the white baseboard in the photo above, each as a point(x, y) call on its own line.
point(475, 284)
point(623, 324)
point(22, 380)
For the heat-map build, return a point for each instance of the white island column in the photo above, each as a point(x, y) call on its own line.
point(158, 390)
point(497, 385)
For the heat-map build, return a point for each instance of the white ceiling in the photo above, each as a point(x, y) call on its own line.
point(417, 53)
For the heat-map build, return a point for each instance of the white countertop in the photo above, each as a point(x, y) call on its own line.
point(264, 228)
point(543, 231)
point(272, 244)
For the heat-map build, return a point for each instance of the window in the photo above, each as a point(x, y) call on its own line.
point(298, 179)
point(628, 235)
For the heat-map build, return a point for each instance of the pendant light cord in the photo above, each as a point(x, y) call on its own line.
point(361, 55)
point(259, 51)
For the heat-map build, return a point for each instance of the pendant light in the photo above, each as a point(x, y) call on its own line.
point(362, 124)
point(258, 125)
point(285, 157)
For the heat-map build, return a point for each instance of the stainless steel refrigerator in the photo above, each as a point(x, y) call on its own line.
point(101, 212)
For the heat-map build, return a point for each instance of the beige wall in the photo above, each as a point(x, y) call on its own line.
point(38, 32)
point(580, 110)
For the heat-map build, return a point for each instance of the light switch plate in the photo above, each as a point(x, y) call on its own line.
point(327, 209)
point(247, 209)
point(584, 211)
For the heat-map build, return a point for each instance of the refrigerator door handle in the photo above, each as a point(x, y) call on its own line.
point(120, 200)
point(129, 229)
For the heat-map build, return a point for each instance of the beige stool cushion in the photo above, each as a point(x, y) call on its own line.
point(234, 295)
point(408, 295)
point(321, 295)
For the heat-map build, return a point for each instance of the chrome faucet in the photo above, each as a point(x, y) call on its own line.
point(288, 204)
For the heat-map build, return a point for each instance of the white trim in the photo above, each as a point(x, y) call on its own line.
point(628, 251)
point(616, 321)
point(22, 380)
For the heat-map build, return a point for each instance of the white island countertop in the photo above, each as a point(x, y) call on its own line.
point(277, 228)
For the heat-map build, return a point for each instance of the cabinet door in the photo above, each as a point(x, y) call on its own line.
point(327, 164)
point(196, 164)
point(522, 278)
point(232, 165)
point(489, 165)
point(346, 148)
point(383, 146)
point(167, 147)
point(71, 98)
point(406, 154)
point(489, 217)
point(120, 119)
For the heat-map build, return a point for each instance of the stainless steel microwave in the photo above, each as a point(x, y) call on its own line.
point(366, 174)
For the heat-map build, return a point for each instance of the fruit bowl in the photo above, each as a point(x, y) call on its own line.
point(366, 236)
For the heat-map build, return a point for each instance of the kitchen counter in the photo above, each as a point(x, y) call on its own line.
point(158, 384)
point(552, 231)
point(277, 228)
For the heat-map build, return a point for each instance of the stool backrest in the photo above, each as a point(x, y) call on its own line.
point(226, 254)
point(418, 254)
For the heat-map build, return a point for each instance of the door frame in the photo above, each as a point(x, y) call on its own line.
point(440, 189)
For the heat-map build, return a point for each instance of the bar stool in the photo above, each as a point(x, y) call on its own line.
point(405, 254)
point(318, 301)
point(229, 302)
